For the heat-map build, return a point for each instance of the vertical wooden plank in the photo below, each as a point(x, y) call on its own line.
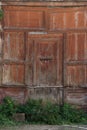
point(85, 76)
point(85, 47)
point(81, 44)
point(56, 21)
point(81, 19)
point(29, 62)
point(70, 19)
point(70, 47)
point(34, 64)
point(20, 74)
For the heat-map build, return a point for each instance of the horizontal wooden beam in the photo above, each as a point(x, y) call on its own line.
point(47, 3)
point(76, 62)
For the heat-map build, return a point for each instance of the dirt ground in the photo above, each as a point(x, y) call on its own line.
point(45, 127)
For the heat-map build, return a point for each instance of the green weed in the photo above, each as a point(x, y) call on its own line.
point(39, 112)
point(1, 14)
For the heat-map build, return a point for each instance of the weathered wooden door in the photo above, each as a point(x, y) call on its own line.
point(44, 60)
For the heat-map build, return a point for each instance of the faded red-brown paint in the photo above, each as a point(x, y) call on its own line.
point(45, 52)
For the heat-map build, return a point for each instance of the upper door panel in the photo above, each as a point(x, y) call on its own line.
point(24, 18)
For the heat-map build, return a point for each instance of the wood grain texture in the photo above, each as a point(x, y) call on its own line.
point(44, 50)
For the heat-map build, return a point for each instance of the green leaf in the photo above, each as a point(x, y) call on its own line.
point(1, 14)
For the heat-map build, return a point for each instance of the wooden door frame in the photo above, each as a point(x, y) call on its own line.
point(47, 35)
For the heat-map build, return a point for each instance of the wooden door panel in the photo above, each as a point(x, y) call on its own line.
point(44, 61)
point(77, 75)
point(24, 18)
point(56, 21)
point(46, 64)
point(13, 74)
point(67, 19)
point(13, 69)
point(76, 47)
point(14, 46)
